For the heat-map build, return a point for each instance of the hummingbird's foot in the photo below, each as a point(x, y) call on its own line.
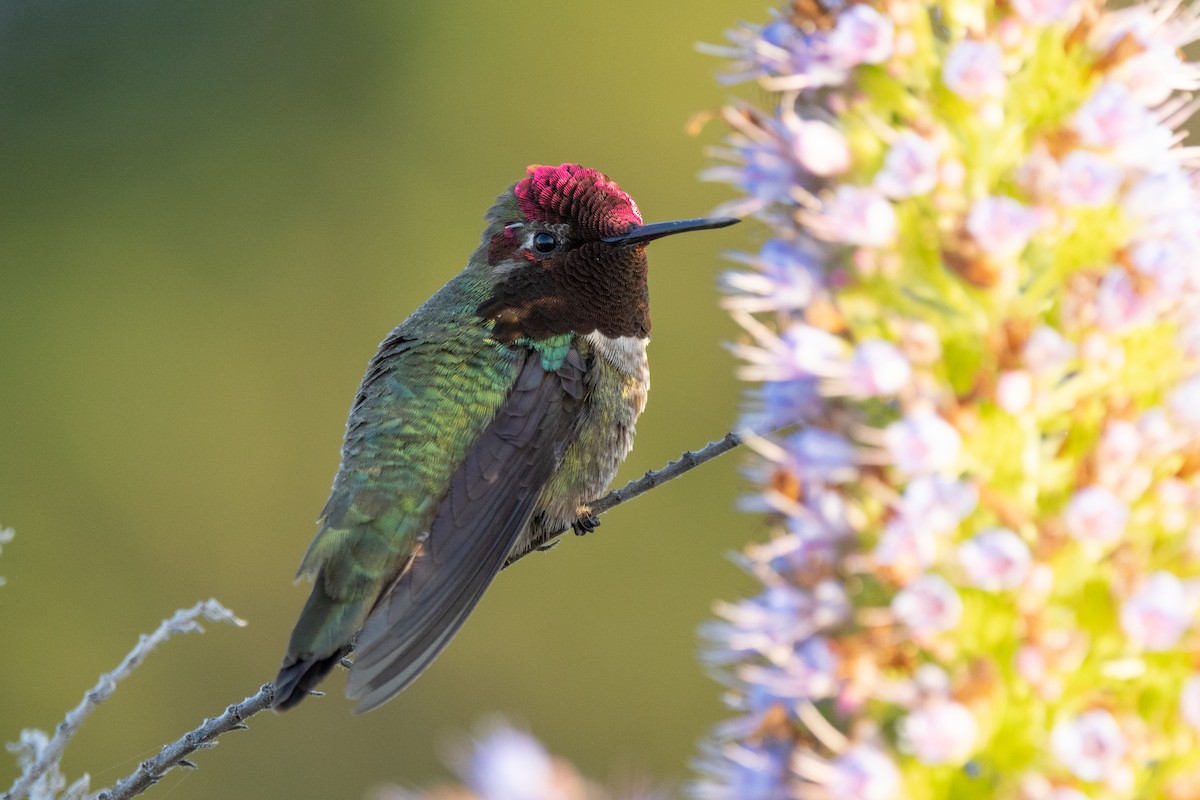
point(586, 523)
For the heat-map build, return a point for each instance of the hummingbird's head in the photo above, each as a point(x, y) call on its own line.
point(566, 251)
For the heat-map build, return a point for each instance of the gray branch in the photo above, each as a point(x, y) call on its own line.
point(175, 754)
point(49, 753)
point(204, 736)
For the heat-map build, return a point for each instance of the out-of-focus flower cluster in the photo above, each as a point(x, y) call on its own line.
point(6, 536)
point(505, 763)
point(975, 330)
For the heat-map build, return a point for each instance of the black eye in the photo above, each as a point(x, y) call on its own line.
point(544, 242)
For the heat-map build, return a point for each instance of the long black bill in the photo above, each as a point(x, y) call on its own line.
point(640, 234)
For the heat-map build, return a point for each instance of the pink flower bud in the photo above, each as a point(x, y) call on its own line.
point(877, 368)
point(995, 559)
point(856, 215)
point(863, 773)
point(1090, 745)
point(940, 732)
point(1189, 701)
point(819, 147)
point(862, 36)
point(1088, 180)
point(1001, 226)
point(1158, 613)
point(910, 168)
point(1014, 390)
point(922, 443)
point(1096, 516)
point(975, 70)
point(928, 605)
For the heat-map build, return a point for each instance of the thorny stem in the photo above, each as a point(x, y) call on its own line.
point(175, 754)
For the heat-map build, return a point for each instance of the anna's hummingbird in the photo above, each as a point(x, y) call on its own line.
point(485, 423)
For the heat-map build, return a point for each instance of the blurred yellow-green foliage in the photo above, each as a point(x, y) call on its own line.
point(210, 214)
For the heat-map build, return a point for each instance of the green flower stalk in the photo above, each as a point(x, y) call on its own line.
point(977, 321)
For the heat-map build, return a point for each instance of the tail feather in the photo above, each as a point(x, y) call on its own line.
point(322, 637)
point(298, 678)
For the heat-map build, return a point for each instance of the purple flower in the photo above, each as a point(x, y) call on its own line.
point(906, 547)
point(1157, 613)
point(1117, 454)
point(1090, 745)
point(810, 673)
point(819, 147)
point(1153, 74)
point(774, 622)
point(511, 765)
point(1117, 304)
point(823, 455)
point(1184, 403)
point(1163, 205)
point(863, 773)
point(1166, 262)
point(1154, 70)
point(940, 731)
point(746, 771)
point(1112, 119)
point(862, 36)
point(1096, 516)
point(785, 402)
point(922, 443)
point(910, 168)
point(1045, 12)
point(877, 368)
point(995, 559)
point(975, 70)
point(814, 351)
point(1001, 226)
point(786, 279)
point(855, 215)
point(1189, 701)
point(1014, 390)
point(1047, 352)
point(928, 605)
point(803, 351)
point(763, 166)
point(938, 503)
point(1088, 180)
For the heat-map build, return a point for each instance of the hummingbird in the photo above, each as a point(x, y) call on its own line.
point(485, 424)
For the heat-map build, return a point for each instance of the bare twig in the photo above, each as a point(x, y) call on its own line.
point(203, 737)
point(49, 754)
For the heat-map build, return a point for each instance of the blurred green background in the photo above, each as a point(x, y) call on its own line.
point(210, 214)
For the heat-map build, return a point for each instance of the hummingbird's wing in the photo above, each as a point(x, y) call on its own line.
point(491, 498)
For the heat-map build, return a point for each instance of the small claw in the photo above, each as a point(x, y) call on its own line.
point(346, 663)
point(586, 523)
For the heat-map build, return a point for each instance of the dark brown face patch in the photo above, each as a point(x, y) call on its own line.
point(592, 287)
point(505, 246)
